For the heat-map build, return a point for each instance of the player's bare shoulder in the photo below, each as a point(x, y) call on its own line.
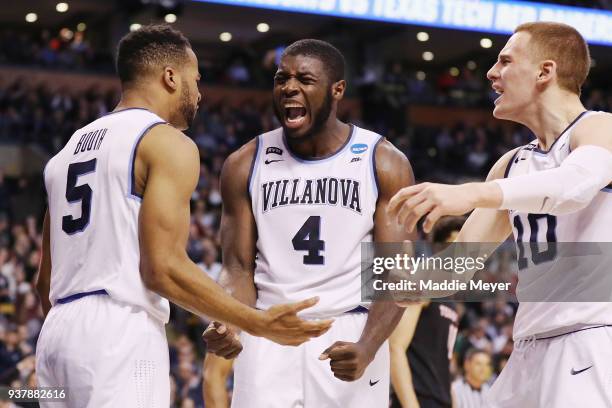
point(501, 167)
point(391, 164)
point(166, 140)
point(595, 129)
point(165, 147)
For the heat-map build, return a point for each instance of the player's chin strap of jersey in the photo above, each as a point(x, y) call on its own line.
point(562, 190)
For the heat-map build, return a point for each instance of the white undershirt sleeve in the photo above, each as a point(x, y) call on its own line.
point(562, 190)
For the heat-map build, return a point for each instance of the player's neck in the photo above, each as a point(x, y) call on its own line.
point(325, 142)
point(552, 115)
point(138, 99)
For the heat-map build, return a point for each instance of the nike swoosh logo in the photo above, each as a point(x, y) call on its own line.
point(376, 382)
point(272, 161)
point(574, 372)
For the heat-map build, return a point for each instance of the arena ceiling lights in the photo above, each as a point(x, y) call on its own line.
point(491, 16)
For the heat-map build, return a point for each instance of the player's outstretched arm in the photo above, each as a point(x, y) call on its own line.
point(399, 341)
point(573, 185)
point(172, 168)
point(349, 360)
point(561, 190)
point(238, 229)
point(432, 201)
point(238, 238)
point(489, 225)
point(43, 280)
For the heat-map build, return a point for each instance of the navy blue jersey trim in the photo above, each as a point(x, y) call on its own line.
point(537, 149)
point(76, 296)
point(374, 171)
point(304, 159)
point(509, 165)
point(250, 178)
point(132, 189)
point(45, 180)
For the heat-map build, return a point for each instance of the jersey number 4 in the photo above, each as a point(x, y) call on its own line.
point(307, 239)
point(81, 193)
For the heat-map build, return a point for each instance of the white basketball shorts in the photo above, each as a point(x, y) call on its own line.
point(268, 375)
point(570, 370)
point(105, 354)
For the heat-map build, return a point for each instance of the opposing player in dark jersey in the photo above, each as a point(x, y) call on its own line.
point(422, 344)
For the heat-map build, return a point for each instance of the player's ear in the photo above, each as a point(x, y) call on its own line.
point(171, 79)
point(548, 70)
point(338, 89)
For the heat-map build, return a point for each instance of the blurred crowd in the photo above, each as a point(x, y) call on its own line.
point(64, 49)
point(30, 114)
point(385, 87)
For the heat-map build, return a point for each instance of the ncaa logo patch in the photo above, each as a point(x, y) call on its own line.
point(358, 148)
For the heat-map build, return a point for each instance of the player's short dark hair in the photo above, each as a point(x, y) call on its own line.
point(445, 227)
point(330, 56)
point(148, 47)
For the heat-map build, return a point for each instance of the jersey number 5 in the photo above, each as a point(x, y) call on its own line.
point(81, 193)
point(307, 239)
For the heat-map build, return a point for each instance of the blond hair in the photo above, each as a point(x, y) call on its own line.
point(564, 45)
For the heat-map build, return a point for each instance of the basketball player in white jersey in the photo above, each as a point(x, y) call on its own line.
point(115, 237)
point(555, 189)
point(298, 202)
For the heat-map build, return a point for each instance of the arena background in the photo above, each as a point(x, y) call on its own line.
point(420, 82)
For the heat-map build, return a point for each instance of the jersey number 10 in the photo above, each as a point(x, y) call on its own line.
point(537, 256)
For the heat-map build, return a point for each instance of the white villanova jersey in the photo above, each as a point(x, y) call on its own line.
point(542, 272)
point(93, 211)
point(312, 215)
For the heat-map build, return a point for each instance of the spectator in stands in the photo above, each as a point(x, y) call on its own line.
point(468, 390)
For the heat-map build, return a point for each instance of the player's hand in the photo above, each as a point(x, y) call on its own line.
point(347, 360)
point(282, 325)
point(221, 341)
point(431, 200)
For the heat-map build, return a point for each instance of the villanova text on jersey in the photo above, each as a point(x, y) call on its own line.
point(329, 190)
